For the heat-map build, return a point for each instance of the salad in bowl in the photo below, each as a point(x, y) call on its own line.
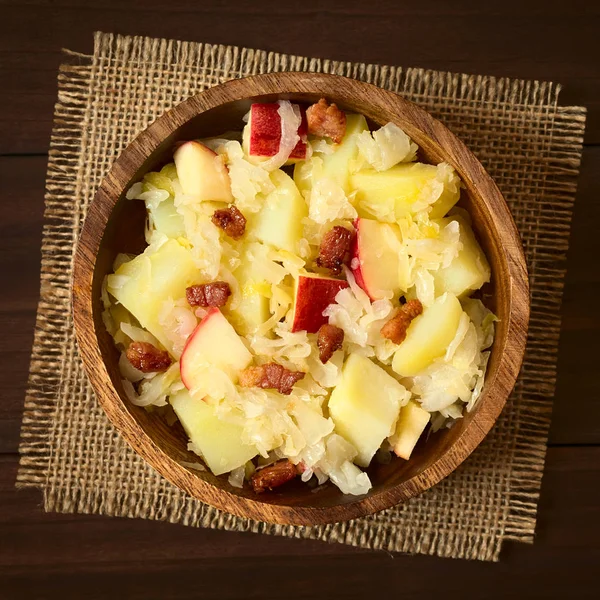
point(308, 301)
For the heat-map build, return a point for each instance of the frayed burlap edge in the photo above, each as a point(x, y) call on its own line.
point(53, 364)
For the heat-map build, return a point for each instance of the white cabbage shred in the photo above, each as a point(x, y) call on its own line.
point(386, 147)
point(328, 202)
point(249, 182)
point(446, 180)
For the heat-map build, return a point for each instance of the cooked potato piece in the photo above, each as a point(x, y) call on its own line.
point(279, 222)
point(254, 305)
point(469, 270)
point(364, 405)
point(395, 191)
point(219, 442)
point(428, 336)
point(337, 165)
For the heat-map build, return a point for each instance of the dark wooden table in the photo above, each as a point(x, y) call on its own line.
point(77, 556)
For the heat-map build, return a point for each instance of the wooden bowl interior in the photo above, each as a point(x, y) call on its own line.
point(124, 233)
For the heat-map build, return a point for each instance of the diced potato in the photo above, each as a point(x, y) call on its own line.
point(428, 336)
point(252, 311)
point(337, 165)
point(411, 424)
point(391, 194)
point(313, 425)
point(364, 406)
point(469, 270)
point(445, 202)
point(219, 442)
point(254, 306)
point(167, 220)
point(144, 283)
point(279, 222)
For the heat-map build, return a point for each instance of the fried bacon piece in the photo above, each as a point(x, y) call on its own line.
point(270, 376)
point(231, 221)
point(208, 294)
point(273, 476)
point(395, 328)
point(326, 120)
point(329, 339)
point(147, 358)
point(335, 249)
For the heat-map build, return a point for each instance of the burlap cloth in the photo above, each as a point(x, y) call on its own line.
point(529, 144)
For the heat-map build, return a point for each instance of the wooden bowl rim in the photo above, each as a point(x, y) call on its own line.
point(406, 114)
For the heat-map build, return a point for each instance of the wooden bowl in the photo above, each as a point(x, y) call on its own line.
point(115, 225)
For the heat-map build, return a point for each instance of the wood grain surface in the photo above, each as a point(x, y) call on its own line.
point(75, 556)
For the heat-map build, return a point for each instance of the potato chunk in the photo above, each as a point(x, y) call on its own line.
point(144, 283)
point(364, 406)
point(469, 270)
point(218, 442)
point(392, 194)
point(428, 336)
point(336, 165)
point(254, 304)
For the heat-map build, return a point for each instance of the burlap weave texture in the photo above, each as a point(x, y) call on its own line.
point(528, 143)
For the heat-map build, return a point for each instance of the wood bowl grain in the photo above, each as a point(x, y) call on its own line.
point(115, 225)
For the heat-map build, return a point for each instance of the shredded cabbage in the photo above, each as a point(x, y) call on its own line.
point(446, 180)
point(432, 248)
point(205, 239)
point(137, 334)
point(386, 147)
point(322, 146)
point(427, 248)
point(178, 322)
point(328, 202)
point(249, 182)
point(286, 345)
point(314, 232)
point(350, 479)
point(128, 371)
point(353, 312)
point(338, 466)
point(196, 466)
point(154, 391)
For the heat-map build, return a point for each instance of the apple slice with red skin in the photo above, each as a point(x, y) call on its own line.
point(202, 173)
point(377, 263)
point(214, 342)
point(314, 293)
point(262, 134)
